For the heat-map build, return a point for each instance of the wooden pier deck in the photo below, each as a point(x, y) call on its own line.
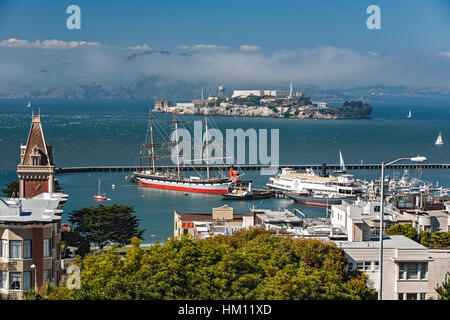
point(244, 167)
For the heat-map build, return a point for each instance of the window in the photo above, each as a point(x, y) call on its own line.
point(367, 265)
point(400, 296)
point(27, 280)
point(46, 276)
point(27, 249)
point(15, 279)
point(423, 270)
point(360, 265)
point(411, 296)
point(15, 249)
point(185, 231)
point(4, 248)
point(413, 271)
point(3, 280)
point(376, 265)
point(423, 296)
point(376, 209)
point(46, 247)
point(350, 266)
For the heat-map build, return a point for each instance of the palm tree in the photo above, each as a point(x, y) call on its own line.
point(11, 190)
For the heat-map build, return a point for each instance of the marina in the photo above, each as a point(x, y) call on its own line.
point(252, 167)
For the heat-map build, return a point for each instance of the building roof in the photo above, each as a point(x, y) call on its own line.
point(389, 242)
point(40, 209)
point(207, 216)
point(36, 141)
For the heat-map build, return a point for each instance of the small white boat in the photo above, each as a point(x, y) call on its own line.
point(341, 163)
point(439, 141)
point(409, 114)
point(29, 103)
point(100, 196)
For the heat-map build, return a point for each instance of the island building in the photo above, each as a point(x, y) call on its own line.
point(162, 104)
point(260, 93)
point(320, 104)
point(30, 225)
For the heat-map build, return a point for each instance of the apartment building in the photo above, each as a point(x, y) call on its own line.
point(410, 270)
point(30, 235)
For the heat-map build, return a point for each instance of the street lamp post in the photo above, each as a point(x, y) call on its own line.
point(380, 263)
point(35, 276)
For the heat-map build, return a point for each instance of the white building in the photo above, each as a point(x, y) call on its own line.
point(259, 93)
point(320, 104)
point(410, 270)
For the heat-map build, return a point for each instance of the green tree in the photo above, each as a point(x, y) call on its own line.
point(75, 239)
point(104, 224)
point(443, 290)
point(403, 229)
point(250, 264)
point(11, 189)
point(435, 240)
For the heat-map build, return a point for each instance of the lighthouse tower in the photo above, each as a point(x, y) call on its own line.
point(36, 170)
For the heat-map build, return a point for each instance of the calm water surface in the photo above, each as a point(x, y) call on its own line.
point(87, 133)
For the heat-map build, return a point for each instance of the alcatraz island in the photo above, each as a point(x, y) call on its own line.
point(266, 104)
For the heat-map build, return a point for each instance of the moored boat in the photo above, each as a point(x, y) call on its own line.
point(176, 181)
point(316, 200)
point(99, 195)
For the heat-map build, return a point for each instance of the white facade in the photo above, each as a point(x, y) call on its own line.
point(410, 270)
point(320, 104)
point(258, 93)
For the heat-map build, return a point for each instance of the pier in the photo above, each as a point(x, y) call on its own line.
point(249, 167)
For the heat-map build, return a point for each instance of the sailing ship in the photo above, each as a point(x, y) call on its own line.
point(341, 164)
point(176, 181)
point(100, 196)
point(439, 140)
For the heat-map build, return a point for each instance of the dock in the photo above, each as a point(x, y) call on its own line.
point(251, 167)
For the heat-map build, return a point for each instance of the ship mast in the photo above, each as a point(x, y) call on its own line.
point(206, 147)
point(152, 145)
point(177, 148)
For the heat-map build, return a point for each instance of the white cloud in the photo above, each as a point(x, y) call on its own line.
point(199, 47)
point(249, 48)
point(444, 54)
point(373, 53)
point(140, 47)
point(46, 44)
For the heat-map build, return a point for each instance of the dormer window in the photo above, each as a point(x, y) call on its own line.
point(36, 157)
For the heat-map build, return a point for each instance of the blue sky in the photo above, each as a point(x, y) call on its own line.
point(414, 35)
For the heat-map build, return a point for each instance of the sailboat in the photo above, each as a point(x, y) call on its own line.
point(341, 163)
point(176, 181)
point(29, 103)
point(100, 196)
point(409, 114)
point(439, 141)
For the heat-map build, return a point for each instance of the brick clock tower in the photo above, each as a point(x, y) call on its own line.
point(36, 170)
